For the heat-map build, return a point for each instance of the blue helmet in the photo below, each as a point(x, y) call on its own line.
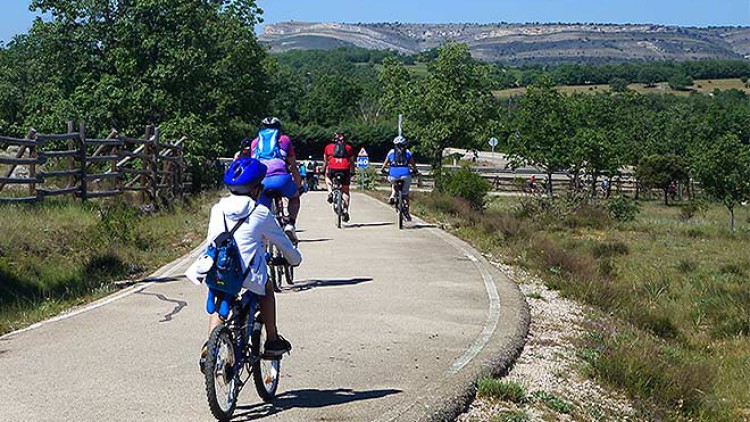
point(244, 174)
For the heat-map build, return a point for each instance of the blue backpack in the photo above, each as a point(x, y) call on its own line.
point(226, 274)
point(269, 147)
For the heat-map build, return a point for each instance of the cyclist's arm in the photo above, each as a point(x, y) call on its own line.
point(352, 163)
point(292, 163)
point(413, 164)
point(273, 233)
point(385, 166)
point(325, 163)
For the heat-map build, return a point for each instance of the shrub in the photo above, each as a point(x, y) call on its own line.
point(610, 249)
point(623, 209)
point(693, 207)
point(502, 390)
point(552, 401)
point(464, 184)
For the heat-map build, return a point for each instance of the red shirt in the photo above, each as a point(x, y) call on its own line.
point(335, 163)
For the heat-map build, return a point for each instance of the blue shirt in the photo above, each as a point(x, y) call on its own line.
point(398, 171)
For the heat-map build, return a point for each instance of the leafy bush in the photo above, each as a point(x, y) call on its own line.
point(623, 209)
point(693, 207)
point(464, 184)
point(502, 390)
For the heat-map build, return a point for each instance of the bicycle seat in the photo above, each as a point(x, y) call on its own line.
point(339, 177)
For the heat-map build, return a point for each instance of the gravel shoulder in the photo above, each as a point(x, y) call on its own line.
point(549, 368)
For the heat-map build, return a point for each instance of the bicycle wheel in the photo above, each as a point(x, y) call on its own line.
point(265, 372)
point(400, 207)
point(337, 207)
point(222, 384)
point(289, 274)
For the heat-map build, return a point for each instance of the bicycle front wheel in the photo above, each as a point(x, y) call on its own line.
point(265, 372)
point(222, 383)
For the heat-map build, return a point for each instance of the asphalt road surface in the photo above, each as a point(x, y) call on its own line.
point(386, 325)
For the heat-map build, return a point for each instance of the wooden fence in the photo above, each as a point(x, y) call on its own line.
point(85, 168)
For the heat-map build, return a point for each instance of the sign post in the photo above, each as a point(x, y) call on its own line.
point(493, 144)
point(363, 162)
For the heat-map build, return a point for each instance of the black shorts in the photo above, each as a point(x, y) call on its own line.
point(345, 175)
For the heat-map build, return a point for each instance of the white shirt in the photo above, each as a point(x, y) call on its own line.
point(251, 237)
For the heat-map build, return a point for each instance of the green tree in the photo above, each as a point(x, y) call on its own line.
point(451, 106)
point(680, 82)
point(126, 63)
point(618, 85)
point(660, 171)
point(543, 130)
point(723, 170)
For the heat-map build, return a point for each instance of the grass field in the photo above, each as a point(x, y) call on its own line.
point(59, 254)
point(676, 286)
point(702, 86)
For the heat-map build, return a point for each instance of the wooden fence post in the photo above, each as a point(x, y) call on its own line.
point(155, 168)
point(71, 161)
point(82, 158)
point(21, 151)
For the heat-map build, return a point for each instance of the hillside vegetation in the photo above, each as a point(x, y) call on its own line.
point(522, 43)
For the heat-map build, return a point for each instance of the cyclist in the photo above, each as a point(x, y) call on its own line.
point(312, 182)
point(275, 150)
point(338, 159)
point(243, 178)
point(303, 176)
point(400, 164)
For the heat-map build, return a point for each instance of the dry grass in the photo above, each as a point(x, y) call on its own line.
point(57, 254)
point(679, 286)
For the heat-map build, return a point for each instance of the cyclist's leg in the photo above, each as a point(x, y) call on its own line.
point(268, 312)
point(405, 193)
point(392, 198)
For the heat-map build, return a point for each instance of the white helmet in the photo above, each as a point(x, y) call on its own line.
point(400, 141)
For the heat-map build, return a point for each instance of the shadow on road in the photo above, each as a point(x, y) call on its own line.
point(314, 240)
point(420, 226)
point(129, 283)
point(360, 225)
point(302, 286)
point(308, 399)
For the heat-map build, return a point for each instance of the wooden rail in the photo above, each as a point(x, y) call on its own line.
point(93, 168)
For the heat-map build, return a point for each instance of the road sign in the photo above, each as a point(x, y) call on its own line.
point(363, 160)
point(493, 142)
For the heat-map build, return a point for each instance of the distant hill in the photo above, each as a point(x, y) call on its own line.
point(523, 43)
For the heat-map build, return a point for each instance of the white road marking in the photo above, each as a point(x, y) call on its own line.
point(165, 271)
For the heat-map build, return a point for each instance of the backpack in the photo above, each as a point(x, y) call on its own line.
point(269, 146)
point(226, 273)
point(399, 158)
point(339, 150)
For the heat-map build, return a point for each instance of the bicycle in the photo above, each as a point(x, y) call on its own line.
point(279, 272)
point(399, 204)
point(338, 197)
point(234, 349)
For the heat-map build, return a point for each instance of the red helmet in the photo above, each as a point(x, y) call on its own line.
point(339, 137)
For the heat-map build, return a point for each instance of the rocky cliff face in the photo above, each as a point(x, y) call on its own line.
point(523, 43)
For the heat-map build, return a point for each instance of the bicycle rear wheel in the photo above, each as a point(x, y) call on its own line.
point(265, 372)
point(400, 207)
point(337, 207)
point(222, 383)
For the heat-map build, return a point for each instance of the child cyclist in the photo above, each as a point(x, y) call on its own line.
point(244, 179)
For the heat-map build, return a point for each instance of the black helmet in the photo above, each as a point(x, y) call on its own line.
point(271, 123)
point(401, 141)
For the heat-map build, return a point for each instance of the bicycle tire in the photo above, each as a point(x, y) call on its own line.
point(289, 274)
point(221, 409)
point(265, 372)
point(400, 205)
point(337, 206)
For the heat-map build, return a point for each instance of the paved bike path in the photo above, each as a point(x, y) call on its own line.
point(387, 325)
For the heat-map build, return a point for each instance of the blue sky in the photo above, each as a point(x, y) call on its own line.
point(15, 17)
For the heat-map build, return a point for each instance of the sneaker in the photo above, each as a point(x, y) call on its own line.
point(290, 231)
point(276, 348)
point(330, 198)
point(392, 200)
point(204, 353)
point(407, 216)
point(345, 217)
